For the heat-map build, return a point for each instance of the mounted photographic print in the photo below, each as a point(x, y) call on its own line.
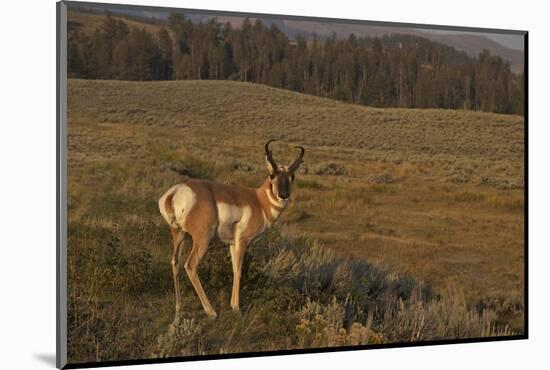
point(235, 184)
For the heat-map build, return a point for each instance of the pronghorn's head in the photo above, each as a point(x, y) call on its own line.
point(282, 177)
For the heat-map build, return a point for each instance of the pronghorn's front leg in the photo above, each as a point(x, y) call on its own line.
point(237, 253)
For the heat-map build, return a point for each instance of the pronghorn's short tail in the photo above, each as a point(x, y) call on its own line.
point(166, 206)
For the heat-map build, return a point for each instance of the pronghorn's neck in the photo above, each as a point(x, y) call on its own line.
point(271, 206)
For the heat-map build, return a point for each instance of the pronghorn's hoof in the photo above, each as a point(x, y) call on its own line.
point(212, 314)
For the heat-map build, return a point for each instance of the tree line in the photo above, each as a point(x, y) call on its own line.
point(390, 71)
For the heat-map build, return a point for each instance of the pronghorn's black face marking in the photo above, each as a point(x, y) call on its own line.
point(282, 177)
point(281, 183)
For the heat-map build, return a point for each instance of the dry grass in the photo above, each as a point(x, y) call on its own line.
point(436, 195)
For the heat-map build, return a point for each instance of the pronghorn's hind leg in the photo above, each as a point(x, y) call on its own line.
point(200, 245)
point(178, 242)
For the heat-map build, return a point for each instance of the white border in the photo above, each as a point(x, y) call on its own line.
point(27, 145)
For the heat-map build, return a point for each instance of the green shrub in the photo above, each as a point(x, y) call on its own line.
point(447, 317)
point(382, 189)
point(194, 167)
point(309, 184)
point(238, 166)
point(302, 288)
point(384, 178)
point(323, 326)
point(467, 196)
point(330, 168)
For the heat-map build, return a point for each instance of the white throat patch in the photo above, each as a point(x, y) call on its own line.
point(273, 200)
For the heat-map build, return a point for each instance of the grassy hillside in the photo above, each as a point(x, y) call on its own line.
point(268, 112)
point(434, 195)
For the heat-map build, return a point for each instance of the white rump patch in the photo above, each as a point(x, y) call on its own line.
point(166, 214)
point(273, 201)
point(183, 201)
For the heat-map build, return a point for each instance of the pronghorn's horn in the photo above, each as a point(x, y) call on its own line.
point(294, 166)
point(269, 156)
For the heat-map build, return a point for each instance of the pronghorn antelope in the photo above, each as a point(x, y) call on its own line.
point(235, 214)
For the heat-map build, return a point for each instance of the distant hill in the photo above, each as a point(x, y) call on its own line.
point(472, 44)
point(263, 111)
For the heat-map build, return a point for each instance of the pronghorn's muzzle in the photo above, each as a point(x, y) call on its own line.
point(283, 198)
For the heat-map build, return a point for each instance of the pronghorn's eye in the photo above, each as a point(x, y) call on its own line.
point(292, 177)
